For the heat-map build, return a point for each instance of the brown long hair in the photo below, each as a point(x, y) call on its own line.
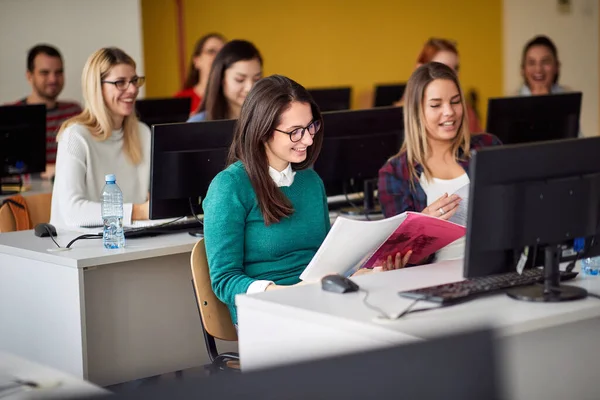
point(214, 102)
point(415, 132)
point(260, 115)
point(193, 76)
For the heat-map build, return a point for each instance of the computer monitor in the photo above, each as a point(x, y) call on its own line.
point(185, 157)
point(356, 144)
point(534, 118)
point(332, 99)
point(464, 366)
point(163, 111)
point(388, 94)
point(22, 139)
point(532, 196)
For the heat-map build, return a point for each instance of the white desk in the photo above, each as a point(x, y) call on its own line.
point(107, 316)
point(539, 341)
point(56, 384)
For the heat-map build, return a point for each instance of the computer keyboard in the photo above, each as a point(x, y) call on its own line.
point(460, 291)
point(171, 227)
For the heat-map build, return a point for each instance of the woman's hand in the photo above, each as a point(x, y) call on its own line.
point(141, 211)
point(390, 264)
point(444, 207)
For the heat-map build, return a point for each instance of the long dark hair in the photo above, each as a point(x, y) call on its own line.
point(214, 102)
point(260, 115)
point(193, 76)
point(545, 41)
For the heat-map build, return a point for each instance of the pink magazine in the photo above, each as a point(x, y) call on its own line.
point(422, 234)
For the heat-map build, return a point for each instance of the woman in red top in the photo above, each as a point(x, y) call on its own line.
point(204, 53)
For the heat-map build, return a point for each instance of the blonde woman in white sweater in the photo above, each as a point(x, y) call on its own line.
point(106, 138)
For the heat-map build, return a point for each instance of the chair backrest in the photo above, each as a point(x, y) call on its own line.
point(215, 315)
point(38, 208)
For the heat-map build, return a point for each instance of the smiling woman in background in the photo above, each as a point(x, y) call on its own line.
point(207, 48)
point(237, 67)
point(106, 138)
point(540, 68)
point(444, 51)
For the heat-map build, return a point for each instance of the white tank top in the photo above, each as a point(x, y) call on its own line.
point(434, 189)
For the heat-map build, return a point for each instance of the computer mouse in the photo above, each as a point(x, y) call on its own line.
point(338, 284)
point(44, 230)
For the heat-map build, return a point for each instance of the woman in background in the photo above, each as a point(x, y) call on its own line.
point(204, 54)
point(433, 162)
point(237, 67)
point(106, 138)
point(445, 52)
point(540, 68)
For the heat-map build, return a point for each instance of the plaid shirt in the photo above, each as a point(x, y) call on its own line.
point(395, 192)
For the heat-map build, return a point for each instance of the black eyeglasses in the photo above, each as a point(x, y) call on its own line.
point(297, 134)
point(123, 84)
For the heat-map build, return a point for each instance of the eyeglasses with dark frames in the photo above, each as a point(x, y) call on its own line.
point(123, 84)
point(297, 134)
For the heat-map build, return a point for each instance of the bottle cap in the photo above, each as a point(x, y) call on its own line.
point(110, 178)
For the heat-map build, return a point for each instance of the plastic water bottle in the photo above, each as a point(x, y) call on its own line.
point(590, 266)
point(112, 214)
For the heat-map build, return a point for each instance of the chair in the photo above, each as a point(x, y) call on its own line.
point(38, 208)
point(216, 320)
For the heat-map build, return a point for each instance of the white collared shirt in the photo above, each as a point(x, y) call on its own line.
point(283, 178)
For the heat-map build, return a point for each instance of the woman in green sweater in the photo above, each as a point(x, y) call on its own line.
point(266, 214)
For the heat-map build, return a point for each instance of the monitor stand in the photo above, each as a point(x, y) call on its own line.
point(369, 207)
point(197, 233)
point(551, 290)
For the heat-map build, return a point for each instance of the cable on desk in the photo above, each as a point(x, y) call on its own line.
point(385, 315)
point(86, 236)
point(194, 212)
point(51, 236)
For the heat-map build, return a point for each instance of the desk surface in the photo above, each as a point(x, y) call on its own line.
point(86, 253)
point(57, 383)
point(510, 316)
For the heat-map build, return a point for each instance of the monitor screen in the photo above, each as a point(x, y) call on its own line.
point(185, 159)
point(356, 144)
point(534, 118)
point(22, 139)
point(387, 95)
point(163, 111)
point(531, 195)
point(332, 99)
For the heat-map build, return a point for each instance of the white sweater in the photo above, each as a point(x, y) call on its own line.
point(81, 164)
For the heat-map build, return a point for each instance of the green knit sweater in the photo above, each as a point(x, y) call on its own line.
point(241, 248)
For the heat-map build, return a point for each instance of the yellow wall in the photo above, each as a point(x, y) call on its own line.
point(334, 42)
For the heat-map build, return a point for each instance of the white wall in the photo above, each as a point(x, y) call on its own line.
point(76, 27)
point(575, 34)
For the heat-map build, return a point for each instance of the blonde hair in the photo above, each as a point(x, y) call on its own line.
point(415, 132)
point(95, 115)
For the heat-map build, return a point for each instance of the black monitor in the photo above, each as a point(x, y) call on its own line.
point(464, 366)
point(535, 196)
point(356, 144)
point(388, 94)
point(22, 140)
point(163, 111)
point(332, 99)
point(534, 118)
point(185, 157)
